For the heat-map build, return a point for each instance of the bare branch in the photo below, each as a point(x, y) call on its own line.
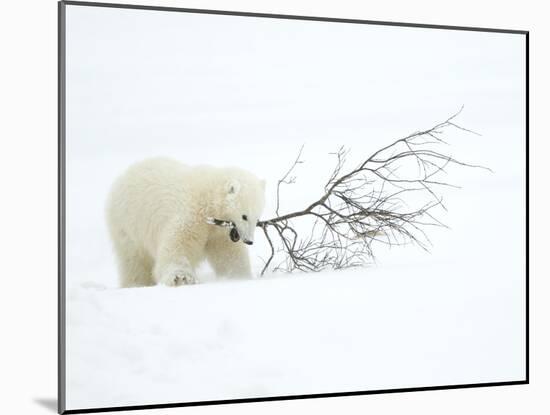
point(365, 205)
point(286, 179)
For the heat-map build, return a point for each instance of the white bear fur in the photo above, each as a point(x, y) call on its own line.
point(157, 213)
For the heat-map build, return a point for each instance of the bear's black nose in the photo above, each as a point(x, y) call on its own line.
point(248, 242)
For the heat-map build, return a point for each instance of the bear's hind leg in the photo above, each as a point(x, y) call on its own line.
point(134, 264)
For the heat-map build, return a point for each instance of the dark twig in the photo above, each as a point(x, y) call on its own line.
point(365, 205)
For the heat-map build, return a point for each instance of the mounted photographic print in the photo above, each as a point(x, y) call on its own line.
point(258, 207)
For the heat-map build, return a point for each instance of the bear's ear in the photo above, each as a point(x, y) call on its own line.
point(233, 187)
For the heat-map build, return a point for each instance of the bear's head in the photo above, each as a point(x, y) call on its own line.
point(244, 200)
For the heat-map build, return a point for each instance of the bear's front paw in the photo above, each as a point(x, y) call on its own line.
point(177, 277)
point(184, 279)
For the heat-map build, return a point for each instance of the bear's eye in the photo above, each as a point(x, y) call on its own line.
point(245, 217)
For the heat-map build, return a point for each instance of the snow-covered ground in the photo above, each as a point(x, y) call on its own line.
point(202, 89)
point(348, 331)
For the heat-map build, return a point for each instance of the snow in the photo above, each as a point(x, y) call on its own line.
point(347, 331)
point(202, 89)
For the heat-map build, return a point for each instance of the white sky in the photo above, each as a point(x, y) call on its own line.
point(182, 80)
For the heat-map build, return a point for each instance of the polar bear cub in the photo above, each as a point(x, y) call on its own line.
point(157, 215)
